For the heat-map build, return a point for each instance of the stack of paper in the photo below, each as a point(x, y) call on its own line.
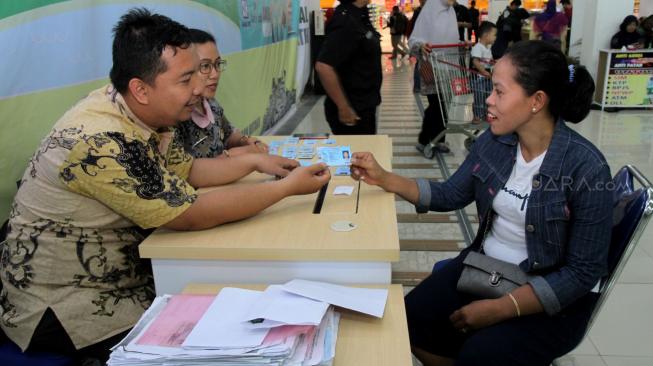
point(292, 324)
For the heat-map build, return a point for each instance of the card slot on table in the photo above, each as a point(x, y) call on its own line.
point(340, 204)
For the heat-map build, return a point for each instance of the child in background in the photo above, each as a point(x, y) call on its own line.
point(482, 63)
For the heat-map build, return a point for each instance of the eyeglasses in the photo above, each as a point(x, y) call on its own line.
point(218, 65)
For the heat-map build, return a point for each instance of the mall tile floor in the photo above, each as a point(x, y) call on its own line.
point(623, 332)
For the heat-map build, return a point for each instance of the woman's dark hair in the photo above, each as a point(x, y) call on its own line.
point(542, 66)
point(200, 37)
point(627, 20)
point(138, 41)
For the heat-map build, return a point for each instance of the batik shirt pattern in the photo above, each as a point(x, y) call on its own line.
point(97, 182)
point(206, 142)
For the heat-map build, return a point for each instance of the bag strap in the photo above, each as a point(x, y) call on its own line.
point(489, 218)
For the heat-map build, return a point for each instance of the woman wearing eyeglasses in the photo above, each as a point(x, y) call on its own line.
point(208, 133)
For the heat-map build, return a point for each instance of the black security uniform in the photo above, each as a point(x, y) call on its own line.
point(353, 48)
point(462, 15)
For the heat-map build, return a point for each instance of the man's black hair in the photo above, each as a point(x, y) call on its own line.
point(139, 39)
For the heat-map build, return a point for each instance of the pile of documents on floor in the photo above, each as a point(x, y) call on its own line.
point(290, 324)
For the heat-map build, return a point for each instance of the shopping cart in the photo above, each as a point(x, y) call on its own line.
point(462, 92)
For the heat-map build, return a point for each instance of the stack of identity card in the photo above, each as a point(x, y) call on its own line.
point(305, 150)
point(290, 324)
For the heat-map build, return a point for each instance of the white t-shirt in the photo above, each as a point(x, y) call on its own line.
point(507, 238)
point(483, 54)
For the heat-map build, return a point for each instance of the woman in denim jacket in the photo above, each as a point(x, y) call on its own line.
point(543, 198)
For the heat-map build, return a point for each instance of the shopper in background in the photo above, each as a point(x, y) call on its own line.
point(436, 25)
point(349, 66)
point(409, 32)
point(627, 35)
point(413, 19)
point(551, 26)
point(398, 24)
point(463, 19)
point(521, 15)
point(475, 18)
point(568, 9)
point(509, 27)
point(646, 31)
point(482, 63)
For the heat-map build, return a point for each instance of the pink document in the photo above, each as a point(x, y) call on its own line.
point(176, 321)
point(278, 334)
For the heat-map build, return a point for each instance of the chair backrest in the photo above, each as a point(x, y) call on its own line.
point(632, 211)
point(624, 184)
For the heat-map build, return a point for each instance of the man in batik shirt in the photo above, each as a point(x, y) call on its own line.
point(109, 169)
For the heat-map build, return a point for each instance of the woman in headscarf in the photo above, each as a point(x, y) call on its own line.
point(627, 35)
point(551, 25)
point(436, 25)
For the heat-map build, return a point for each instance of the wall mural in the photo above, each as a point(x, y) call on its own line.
point(48, 64)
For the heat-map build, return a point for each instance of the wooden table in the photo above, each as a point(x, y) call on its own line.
point(287, 241)
point(362, 340)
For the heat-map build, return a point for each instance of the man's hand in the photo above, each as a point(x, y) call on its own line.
point(307, 180)
point(348, 116)
point(275, 165)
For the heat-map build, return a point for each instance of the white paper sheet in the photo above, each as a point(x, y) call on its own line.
point(279, 307)
point(343, 190)
point(368, 301)
point(222, 327)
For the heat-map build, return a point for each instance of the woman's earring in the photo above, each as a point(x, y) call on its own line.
point(534, 110)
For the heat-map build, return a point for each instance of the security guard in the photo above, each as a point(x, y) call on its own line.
point(349, 66)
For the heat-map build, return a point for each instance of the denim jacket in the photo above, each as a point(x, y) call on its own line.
point(568, 216)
